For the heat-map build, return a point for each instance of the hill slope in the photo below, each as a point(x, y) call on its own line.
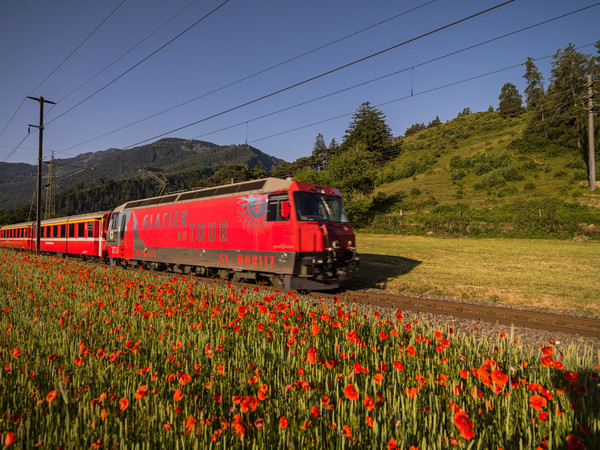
point(479, 175)
point(176, 156)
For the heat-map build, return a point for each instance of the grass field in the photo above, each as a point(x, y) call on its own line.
point(546, 273)
point(103, 358)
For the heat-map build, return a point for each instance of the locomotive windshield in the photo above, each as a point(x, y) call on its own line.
point(322, 208)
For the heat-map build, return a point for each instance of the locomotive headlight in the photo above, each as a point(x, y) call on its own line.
point(283, 258)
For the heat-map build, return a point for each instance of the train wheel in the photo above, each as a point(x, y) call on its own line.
point(223, 274)
point(276, 281)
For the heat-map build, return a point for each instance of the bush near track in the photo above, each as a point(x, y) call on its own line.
point(103, 358)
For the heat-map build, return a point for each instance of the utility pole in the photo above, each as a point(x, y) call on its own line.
point(40, 127)
point(591, 150)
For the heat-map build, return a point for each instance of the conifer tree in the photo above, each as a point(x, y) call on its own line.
point(368, 127)
point(510, 101)
point(534, 91)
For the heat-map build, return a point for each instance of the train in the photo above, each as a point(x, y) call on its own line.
point(290, 234)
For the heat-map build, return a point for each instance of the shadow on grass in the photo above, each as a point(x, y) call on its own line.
point(377, 269)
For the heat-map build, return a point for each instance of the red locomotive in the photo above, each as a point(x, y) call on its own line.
point(294, 235)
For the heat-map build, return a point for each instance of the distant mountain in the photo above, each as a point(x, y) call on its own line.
point(181, 157)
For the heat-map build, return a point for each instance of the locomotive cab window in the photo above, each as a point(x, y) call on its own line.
point(278, 208)
point(319, 207)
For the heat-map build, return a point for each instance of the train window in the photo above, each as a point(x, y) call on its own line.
point(71, 230)
point(81, 229)
point(278, 208)
point(63, 229)
point(318, 207)
point(123, 220)
point(114, 221)
point(90, 229)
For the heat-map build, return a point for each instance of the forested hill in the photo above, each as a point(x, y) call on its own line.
point(183, 159)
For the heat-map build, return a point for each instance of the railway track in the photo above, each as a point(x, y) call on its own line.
point(562, 323)
point(539, 320)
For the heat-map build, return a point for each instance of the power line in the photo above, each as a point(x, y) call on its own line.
point(406, 96)
point(329, 72)
point(128, 51)
point(260, 72)
point(62, 63)
point(337, 92)
point(140, 62)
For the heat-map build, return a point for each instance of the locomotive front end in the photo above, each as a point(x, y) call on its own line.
point(327, 254)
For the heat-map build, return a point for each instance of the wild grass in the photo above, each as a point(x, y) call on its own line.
point(552, 274)
point(98, 357)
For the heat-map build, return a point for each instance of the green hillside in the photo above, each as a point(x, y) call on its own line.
point(113, 176)
point(481, 175)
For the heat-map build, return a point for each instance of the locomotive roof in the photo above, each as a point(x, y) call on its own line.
point(263, 185)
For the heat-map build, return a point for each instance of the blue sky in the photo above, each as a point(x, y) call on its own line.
point(244, 37)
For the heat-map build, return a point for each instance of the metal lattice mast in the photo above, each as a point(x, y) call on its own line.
point(50, 211)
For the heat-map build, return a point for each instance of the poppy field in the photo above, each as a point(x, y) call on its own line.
point(99, 357)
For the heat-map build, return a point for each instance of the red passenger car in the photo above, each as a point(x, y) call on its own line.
point(18, 236)
point(82, 235)
point(294, 234)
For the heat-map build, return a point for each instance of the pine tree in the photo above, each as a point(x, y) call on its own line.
point(510, 101)
point(320, 153)
point(534, 92)
point(565, 101)
point(368, 127)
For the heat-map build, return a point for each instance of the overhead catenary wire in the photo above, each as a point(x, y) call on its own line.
point(406, 97)
point(488, 41)
point(140, 62)
point(329, 72)
point(128, 51)
point(387, 152)
point(61, 64)
point(247, 77)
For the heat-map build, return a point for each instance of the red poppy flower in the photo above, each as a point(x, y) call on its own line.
point(378, 378)
point(410, 350)
point(411, 392)
point(314, 412)
point(9, 438)
point(537, 402)
point(369, 421)
point(350, 392)
point(392, 444)
point(178, 395)
point(369, 403)
point(184, 379)
point(123, 403)
point(571, 376)
point(141, 392)
point(51, 396)
point(383, 335)
point(283, 423)
point(346, 431)
point(573, 443)
point(398, 365)
point(499, 378)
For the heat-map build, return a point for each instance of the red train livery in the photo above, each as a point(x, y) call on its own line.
point(292, 234)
